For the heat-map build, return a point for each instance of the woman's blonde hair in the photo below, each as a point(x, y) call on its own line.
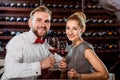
point(80, 17)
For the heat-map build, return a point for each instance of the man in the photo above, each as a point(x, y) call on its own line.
point(26, 58)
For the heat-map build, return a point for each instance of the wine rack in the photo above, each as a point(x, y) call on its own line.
point(14, 15)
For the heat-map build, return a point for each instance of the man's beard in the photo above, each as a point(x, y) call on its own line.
point(38, 35)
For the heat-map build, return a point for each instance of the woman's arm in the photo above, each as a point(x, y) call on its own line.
point(101, 71)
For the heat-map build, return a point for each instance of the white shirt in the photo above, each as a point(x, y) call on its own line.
point(23, 57)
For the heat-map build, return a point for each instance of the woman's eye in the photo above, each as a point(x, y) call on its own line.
point(74, 28)
point(67, 27)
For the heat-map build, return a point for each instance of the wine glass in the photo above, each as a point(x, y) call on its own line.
point(63, 48)
point(64, 51)
point(54, 48)
point(54, 43)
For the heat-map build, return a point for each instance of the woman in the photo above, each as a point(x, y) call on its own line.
point(82, 62)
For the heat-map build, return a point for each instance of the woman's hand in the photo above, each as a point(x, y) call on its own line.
point(63, 65)
point(72, 74)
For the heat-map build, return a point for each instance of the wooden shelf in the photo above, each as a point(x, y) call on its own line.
point(105, 25)
point(63, 10)
point(58, 24)
point(64, 38)
point(107, 51)
point(90, 25)
point(101, 38)
point(74, 10)
point(5, 23)
point(5, 37)
point(15, 9)
point(99, 11)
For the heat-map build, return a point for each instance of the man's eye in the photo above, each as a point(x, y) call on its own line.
point(48, 21)
point(39, 20)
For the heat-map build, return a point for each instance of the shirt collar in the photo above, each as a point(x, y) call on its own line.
point(32, 36)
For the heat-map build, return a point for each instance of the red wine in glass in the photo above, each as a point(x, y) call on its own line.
point(63, 53)
point(53, 50)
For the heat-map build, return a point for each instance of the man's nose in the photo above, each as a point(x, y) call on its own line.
point(43, 24)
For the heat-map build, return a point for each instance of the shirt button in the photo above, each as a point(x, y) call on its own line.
point(36, 72)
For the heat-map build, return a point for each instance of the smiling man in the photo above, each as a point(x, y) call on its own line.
point(27, 55)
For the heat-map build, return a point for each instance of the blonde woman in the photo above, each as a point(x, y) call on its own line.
point(82, 61)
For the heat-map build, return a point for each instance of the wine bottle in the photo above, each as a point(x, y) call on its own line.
point(100, 21)
point(54, 6)
point(59, 34)
point(105, 21)
point(77, 7)
point(99, 7)
point(54, 20)
point(104, 33)
point(36, 5)
point(50, 33)
point(25, 19)
point(71, 7)
point(60, 20)
point(13, 33)
point(31, 5)
point(19, 5)
point(60, 6)
point(99, 47)
point(94, 21)
point(63, 34)
point(94, 34)
point(12, 5)
point(49, 5)
point(115, 46)
point(109, 33)
point(25, 5)
point(94, 7)
point(12, 19)
point(100, 34)
point(110, 21)
point(87, 34)
point(1, 33)
point(88, 7)
point(65, 6)
point(18, 32)
point(115, 33)
point(6, 4)
point(7, 33)
point(88, 21)
point(2, 4)
point(7, 18)
point(1, 18)
point(19, 19)
point(64, 20)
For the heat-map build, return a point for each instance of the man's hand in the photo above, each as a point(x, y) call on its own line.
point(47, 62)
